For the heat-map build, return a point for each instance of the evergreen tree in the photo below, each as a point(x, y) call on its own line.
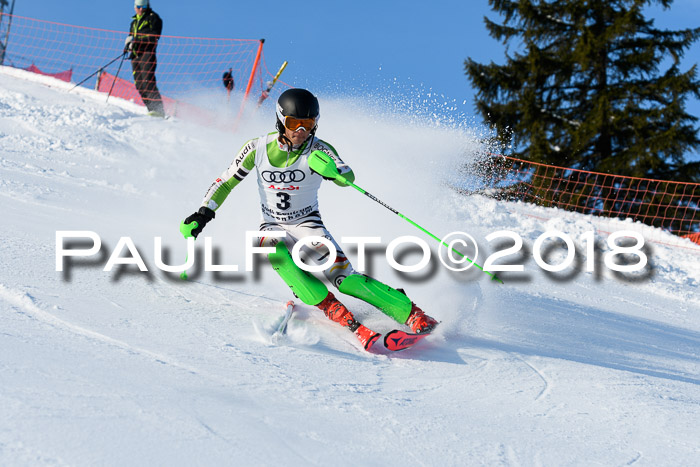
point(585, 88)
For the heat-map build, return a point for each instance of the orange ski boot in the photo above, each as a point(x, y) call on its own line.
point(336, 311)
point(419, 322)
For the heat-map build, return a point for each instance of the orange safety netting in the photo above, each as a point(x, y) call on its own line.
point(671, 206)
point(188, 68)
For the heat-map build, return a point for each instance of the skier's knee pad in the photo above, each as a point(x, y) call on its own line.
point(307, 287)
point(392, 302)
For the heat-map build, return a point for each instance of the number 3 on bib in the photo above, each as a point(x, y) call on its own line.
point(284, 203)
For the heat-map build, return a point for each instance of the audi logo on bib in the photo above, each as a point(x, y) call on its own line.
point(286, 176)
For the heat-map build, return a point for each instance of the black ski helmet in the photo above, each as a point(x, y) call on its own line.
point(298, 103)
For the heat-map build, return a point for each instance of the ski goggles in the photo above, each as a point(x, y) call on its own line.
point(296, 124)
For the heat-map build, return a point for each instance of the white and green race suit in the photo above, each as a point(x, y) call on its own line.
point(288, 194)
point(289, 202)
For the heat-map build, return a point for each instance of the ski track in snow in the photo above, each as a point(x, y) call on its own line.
point(142, 368)
point(25, 304)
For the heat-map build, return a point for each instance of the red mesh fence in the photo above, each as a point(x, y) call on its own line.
point(63, 75)
point(187, 67)
point(126, 90)
point(671, 206)
point(190, 67)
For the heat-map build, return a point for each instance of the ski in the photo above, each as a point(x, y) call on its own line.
point(393, 341)
point(365, 335)
point(400, 340)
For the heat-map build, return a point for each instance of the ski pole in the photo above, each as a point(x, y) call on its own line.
point(98, 70)
point(321, 163)
point(282, 328)
point(186, 230)
point(183, 274)
point(270, 84)
point(116, 76)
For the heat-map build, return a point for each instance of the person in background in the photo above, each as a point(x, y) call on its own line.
point(141, 44)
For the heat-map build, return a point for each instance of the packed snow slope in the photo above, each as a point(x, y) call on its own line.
point(141, 368)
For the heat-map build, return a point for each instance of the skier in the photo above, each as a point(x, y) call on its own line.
point(141, 44)
point(289, 199)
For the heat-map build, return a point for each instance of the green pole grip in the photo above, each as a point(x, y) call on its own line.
point(186, 229)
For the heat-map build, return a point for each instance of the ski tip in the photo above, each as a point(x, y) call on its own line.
point(183, 275)
point(399, 340)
